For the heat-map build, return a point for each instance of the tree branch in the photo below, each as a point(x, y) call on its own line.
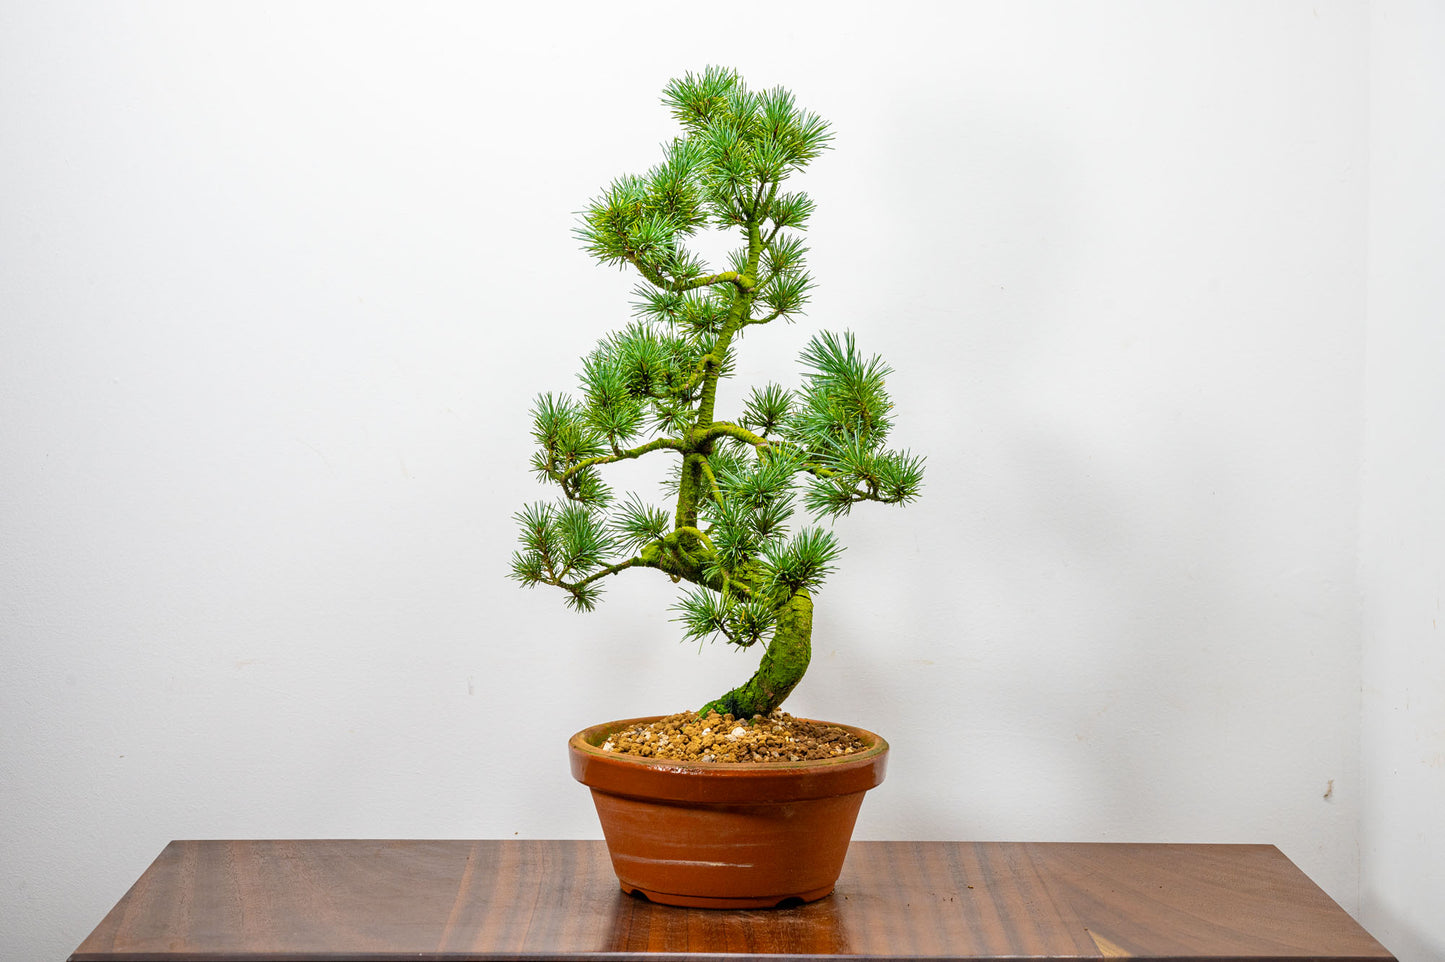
point(719, 429)
point(767, 204)
point(765, 320)
point(753, 212)
point(657, 279)
point(649, 447)
point(699, 372)
point(712, 479)
point(603, 573)
point(699, 534)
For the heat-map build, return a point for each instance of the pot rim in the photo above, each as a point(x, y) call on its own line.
point(722, 782)
point(588, 739)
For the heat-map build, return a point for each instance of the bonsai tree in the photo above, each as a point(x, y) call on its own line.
point(733, 485)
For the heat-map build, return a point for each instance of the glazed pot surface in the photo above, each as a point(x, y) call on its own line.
point(726, 834)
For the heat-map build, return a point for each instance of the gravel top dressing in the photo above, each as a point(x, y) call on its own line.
point(778, 737)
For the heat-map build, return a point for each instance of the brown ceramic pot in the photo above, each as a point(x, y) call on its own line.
point(725, 834)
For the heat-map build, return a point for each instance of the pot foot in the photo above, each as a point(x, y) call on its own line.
point(790, 900)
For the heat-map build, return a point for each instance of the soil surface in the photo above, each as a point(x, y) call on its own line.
point(778, 737)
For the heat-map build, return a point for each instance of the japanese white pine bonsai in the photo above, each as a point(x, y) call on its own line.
point(734, 483)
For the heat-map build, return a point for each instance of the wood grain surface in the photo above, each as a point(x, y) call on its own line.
point(473, 900)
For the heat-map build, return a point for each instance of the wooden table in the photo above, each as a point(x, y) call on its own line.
point(458, 900)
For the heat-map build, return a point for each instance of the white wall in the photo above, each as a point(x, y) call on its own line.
point(277, 286)
point(1402, 845)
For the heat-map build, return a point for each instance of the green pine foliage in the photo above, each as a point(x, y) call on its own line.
point(735, 488)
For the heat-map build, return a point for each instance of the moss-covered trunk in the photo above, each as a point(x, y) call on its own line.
point(782, 666)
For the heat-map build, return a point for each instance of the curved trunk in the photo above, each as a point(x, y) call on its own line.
point(782, 666)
